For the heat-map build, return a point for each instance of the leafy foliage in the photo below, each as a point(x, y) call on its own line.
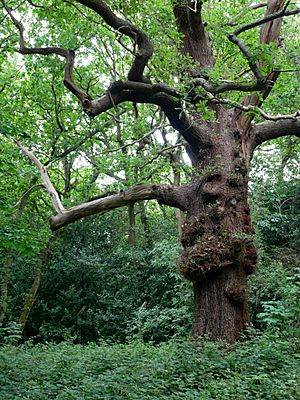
point(284, 313)
point(266, 367)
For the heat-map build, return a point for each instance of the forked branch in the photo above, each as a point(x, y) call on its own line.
point(165, 194)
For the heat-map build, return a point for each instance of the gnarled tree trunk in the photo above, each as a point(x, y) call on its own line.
point(217, 235)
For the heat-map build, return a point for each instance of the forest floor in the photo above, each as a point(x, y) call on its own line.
point(264, 367)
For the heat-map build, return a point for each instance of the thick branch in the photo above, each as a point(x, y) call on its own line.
point(196, 41)
point(69, 55)
point(145, 47)
point(137, 92)
point(164, 194)
point(122, 91)
point(57, 205)
point(273, 130)
point(227, 86)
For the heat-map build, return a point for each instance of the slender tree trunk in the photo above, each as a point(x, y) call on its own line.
point(144, 221)
point(131, 226)
point(6, 269)
point(31, 294)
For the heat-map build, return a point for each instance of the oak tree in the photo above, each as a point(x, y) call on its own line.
point(209, 67)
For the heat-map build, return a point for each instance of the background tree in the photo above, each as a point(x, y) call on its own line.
point(197, 67)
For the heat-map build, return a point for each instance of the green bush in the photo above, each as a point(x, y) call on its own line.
point(267, 367)
point(267, 284)
point(284, 313)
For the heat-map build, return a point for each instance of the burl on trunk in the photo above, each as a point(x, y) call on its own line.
point(217, 235)
point(218, 249)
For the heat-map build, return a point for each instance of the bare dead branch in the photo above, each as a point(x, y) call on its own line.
point(164, 194)
point(57, 205)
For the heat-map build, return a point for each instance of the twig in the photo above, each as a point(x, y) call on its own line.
point(248, 8)
point(250, 108)
point(137, 140)
point(161, 152)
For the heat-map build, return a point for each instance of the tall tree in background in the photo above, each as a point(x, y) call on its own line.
point(212, 103)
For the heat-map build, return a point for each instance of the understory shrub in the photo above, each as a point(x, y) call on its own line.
point(267, 367)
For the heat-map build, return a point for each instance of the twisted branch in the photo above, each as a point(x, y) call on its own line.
point(145, 47)
point(69, 55)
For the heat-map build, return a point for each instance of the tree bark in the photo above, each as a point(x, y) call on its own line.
point(217, 235)
point(221, 305)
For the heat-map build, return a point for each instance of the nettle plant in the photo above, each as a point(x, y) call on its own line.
point(219, 72)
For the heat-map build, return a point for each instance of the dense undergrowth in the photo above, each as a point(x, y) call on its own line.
point(264, 367)
point(111, 321)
